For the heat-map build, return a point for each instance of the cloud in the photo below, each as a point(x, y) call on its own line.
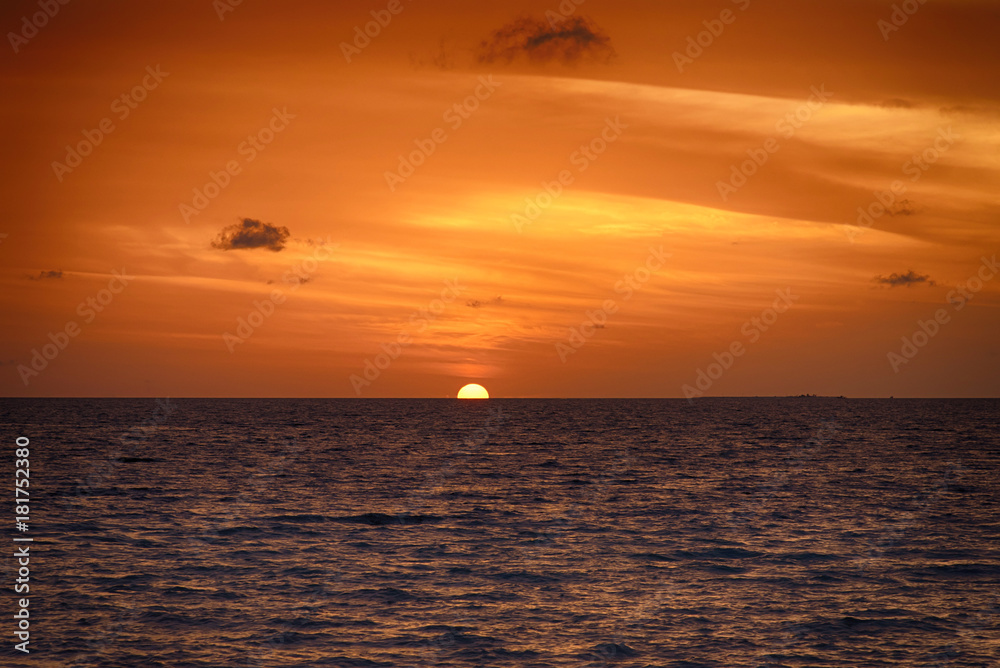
point(897, 103)
point(907, 279)
point(42, 275)
point(299, 280)
point(971, 110)
point(476, 303)
point(252, 234)
point(902, 208)
point(570, 42)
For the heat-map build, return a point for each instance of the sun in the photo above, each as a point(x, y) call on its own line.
point(473, 391)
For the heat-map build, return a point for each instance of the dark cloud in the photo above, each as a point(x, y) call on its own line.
point(907, 279)
point(540, 42)
point(42, 275)
point(299, 280)
point(476, 303)
point(903, 208)
point(252, 234)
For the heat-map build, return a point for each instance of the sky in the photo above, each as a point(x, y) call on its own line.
point(576, 199)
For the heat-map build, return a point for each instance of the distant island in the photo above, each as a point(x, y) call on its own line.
point(773, 396)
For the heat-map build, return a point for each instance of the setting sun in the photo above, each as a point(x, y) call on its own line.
point(473, 391)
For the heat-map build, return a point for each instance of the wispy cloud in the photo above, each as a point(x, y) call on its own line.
point(477, 303)
point(908, 279)
point(575, 40)
point(43, 275)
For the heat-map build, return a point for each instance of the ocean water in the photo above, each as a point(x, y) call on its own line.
point(731, 532)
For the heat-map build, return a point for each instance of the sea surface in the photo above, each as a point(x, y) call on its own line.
point(725, 533)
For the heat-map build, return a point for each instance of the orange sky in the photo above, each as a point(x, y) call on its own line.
point(452, 262)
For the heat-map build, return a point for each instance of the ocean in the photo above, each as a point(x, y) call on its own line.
point(724, 533)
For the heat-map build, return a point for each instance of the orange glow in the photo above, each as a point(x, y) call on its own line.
point(425, 211)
